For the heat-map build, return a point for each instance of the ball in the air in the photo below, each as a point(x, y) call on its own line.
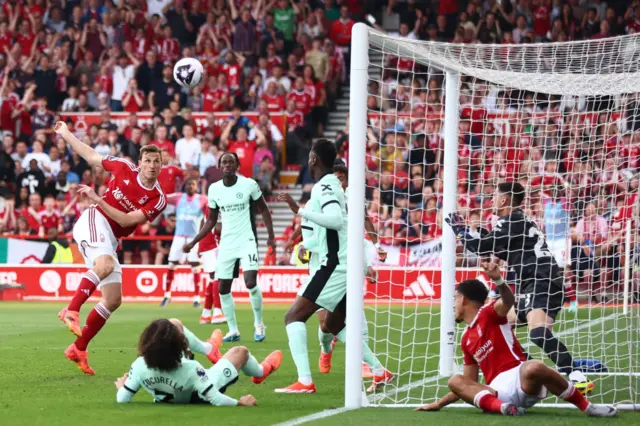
point(188, 72)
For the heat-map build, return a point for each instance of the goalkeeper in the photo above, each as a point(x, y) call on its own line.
point(517, 240)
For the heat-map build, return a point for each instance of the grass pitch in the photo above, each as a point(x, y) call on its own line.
point(39, 386)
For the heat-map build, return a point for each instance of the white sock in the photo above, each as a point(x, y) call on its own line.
point(206, 312)
point(167, 294)
point(305, 380)
point(217, 311)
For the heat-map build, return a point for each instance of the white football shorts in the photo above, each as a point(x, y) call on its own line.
point(509, 389)
point(95, 238)
point(176, 255)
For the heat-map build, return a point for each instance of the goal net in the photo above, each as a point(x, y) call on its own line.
point(445, 124)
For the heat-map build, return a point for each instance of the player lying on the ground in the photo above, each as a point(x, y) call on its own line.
point(325, 219)
point(132, 197)
point(517, 240)
point(165, 372)
point(190, 212)
point(236, 196)
point(490, 345)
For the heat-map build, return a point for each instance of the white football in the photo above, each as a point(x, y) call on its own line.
point(188, 72)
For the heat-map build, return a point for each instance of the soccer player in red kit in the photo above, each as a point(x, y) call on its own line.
point(133, 197)
point(489, 344)
point(208, 250)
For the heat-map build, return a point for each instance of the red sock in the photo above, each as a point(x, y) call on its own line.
point(169, 280)
point(216, 294)
point(485, 401)
point(208, 297)
point(95, 321)
point(196, 283)
point(86, 288)
point(574, 397)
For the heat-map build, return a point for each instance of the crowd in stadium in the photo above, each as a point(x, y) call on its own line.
point(290, 57)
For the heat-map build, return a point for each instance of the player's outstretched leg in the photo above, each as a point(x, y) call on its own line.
point(70, 315)
point(481, 396)
point(327, 343)
point(195, 270)
point(210, 348)
point(534, 375)
point(229, 310)
point(167, 285)
point(543, 337)
point(243, 361)
point(255, 296)
point(295, 320)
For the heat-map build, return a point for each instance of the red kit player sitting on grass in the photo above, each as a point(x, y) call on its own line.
point(513, 384)
point(133, 197)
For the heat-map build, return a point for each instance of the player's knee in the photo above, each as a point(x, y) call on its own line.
point(533, 368)
point(238, 355)
point(104, 266)
point(172, 266)
point(112, 301)
point(455, 382)
point(325, 328)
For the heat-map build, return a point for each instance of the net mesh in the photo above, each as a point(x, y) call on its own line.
point(562, 119)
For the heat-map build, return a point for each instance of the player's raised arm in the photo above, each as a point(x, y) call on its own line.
point(123, 219)
point(507, 298)
point(84, 150)
point(488, 242)
point(470, 372)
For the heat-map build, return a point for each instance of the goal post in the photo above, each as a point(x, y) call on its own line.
point(433, 127)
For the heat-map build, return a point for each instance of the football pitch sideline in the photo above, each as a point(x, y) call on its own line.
point(40, 386)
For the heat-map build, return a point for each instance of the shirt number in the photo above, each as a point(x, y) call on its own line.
point(537, 249)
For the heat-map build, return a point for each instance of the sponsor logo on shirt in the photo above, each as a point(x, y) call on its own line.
point(483, 351)
point(143, 199)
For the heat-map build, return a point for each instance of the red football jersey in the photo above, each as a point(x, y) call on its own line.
point(209, 242)
point(294, 120)
point(233, 73)
point(26, 41)
point(50, 220)
point(303, 101)
point(168, 178)
point(245, 152)
point(489, 342)
point(126, 193)
point(274, 103)
point(6, 40)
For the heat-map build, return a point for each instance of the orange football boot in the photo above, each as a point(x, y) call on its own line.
point(80, 358)
point(216, 343)
point(270, 364)
point(298, 387)
point(72, 320)
point(379, 381)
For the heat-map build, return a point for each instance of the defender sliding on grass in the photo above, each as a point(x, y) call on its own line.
point(165, 372)
point(490, 345)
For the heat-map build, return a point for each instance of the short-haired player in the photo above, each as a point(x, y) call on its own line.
point(236, 197)
point(133, 197)
point(165, 371)
point(326, 214)
point(191, 209)
point(516, 239)
point(489, 344)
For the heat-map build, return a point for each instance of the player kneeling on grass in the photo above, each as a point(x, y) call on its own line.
point(490, 345)
point(164, 370)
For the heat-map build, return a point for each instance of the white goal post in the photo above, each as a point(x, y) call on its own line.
point(415, 335)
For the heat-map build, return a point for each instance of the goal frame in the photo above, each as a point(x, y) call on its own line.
point(354, 396)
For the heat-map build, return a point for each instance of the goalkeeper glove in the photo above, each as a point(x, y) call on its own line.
point(455, 221)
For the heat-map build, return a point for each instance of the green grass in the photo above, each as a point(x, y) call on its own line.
point(39, 386)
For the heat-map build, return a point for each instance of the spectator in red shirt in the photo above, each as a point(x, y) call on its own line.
point(275, 102)
point(170, 177)
point(49, 217)
point(242, 146)
point(301, 97)
point(133, 98)
point(32, 213)
point(340, 32)
point(163, 143)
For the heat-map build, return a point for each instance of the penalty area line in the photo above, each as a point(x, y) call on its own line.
point(315, 416)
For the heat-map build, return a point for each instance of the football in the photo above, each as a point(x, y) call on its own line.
point(188, 72)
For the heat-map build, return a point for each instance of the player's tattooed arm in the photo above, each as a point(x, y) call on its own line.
point(266, 217)
point(207, 227)
point(507, 298)
point(84, 150)
point(123, 219)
